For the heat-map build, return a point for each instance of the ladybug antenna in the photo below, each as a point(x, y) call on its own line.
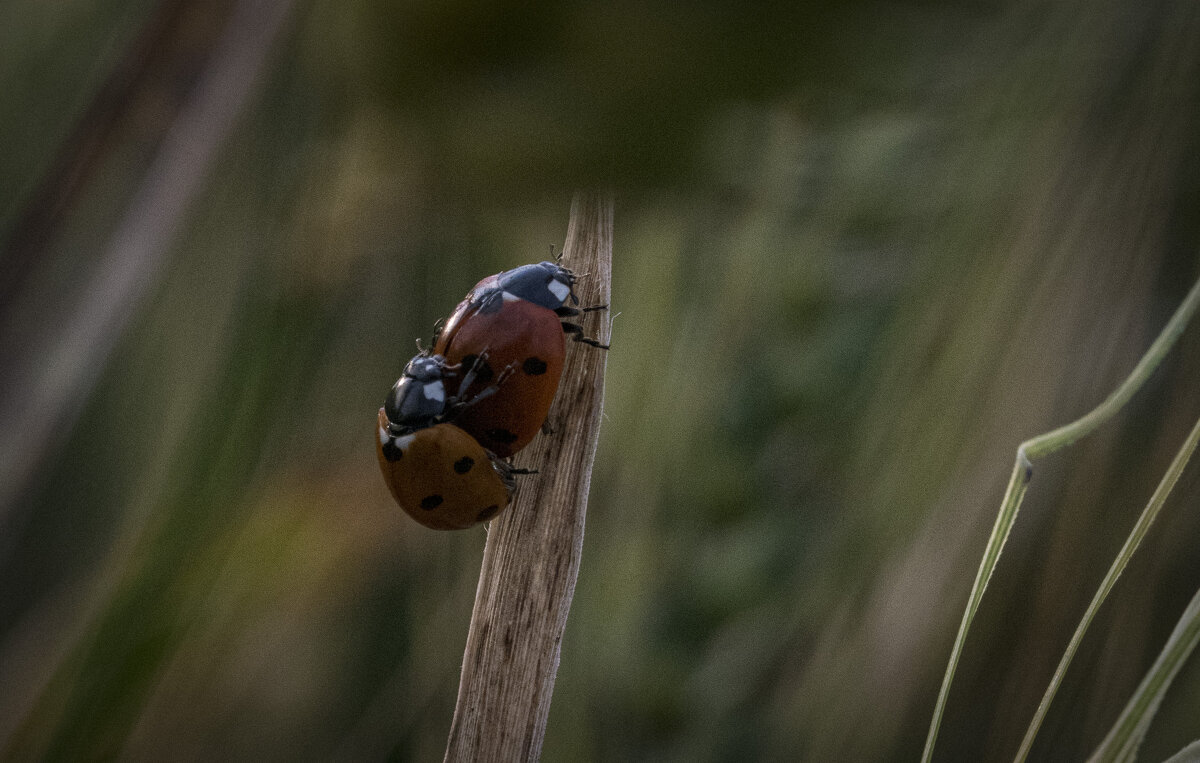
point(420, 349)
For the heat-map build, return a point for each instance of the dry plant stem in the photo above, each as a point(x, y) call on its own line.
point(1188, 754)
point(531, 558)
point(1127, 733)
point(1118, 566)
point(1023, 472)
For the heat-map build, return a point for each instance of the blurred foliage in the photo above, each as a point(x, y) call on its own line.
point(862, 250)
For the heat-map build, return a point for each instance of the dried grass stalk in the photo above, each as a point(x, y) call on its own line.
point(531, 559)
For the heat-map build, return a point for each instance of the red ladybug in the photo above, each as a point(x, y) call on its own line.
point(438, 473)
point(513, 318)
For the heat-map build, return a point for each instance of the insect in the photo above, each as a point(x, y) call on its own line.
point(517, 317)
point(440, 475)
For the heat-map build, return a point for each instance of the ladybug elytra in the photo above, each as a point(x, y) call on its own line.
point(513, 320)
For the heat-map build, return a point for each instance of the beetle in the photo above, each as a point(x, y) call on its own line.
point(439, 474)
point(517, 320)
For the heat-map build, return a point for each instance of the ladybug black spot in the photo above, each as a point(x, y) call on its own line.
point(534, 366)
point(464, 464)
point(483, 372)
point(431, 502)
point(501, 435)
point(488, 513)
point(391, 452)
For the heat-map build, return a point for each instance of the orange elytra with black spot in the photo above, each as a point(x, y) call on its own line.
point(509, 329)
point(442, 477)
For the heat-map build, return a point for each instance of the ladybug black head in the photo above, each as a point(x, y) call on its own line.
point(418, 398)
point(545, 284)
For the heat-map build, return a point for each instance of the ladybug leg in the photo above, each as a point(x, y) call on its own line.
point(478, 363)
point(508, 371)
point(438, 325)
point(568, 312)
point(514, 470)
point(476, 366)
point(457, 402)
point(461, 403)
point(577, 335)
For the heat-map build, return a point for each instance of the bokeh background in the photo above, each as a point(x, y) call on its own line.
point(862, 250)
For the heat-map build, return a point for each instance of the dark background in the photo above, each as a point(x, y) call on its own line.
point(862, 250)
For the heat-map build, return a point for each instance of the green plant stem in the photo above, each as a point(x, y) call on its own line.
point(1023, 472)
point(1130, 727)
point(1118, 566)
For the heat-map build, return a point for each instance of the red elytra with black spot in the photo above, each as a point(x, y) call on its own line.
point(441, 476)
point(514, 333)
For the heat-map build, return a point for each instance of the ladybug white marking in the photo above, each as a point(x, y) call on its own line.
point(559, 289)
point(434, 391)
point(510, 297)
point(402, 442)
point(383, 436)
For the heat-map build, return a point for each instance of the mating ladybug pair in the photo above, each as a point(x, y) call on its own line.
point(478, 397)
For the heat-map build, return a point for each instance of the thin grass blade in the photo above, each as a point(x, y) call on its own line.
point(1130, 728)
point(1023, 472)
point(1110, 579)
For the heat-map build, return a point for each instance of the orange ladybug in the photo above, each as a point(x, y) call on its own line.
point(513, 320)
point(438, 473)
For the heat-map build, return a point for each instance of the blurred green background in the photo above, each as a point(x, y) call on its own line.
point(862, 250)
